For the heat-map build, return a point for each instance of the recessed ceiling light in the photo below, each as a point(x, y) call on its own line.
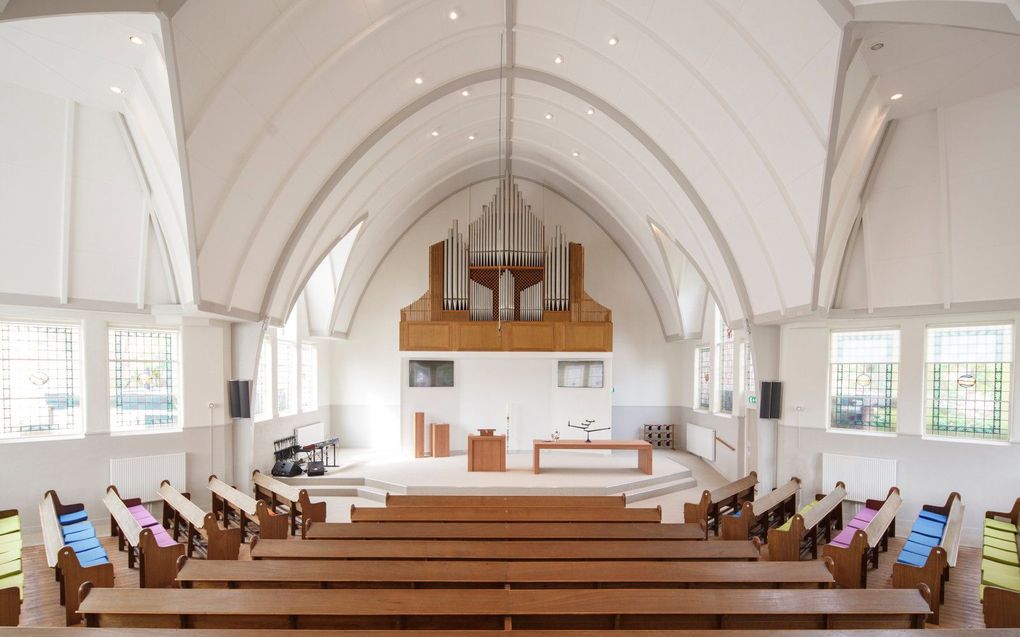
point(575, 154)
point(136, 40)
point(471, 138)
point(435, 133)
point(465, 92)
point(418, 80)
point(558, 59)
point(590, 111)
point(548, 115)
point(876, 46)
point(116, 89)
point(895, 96)
point(613, 40)
point(453, 14)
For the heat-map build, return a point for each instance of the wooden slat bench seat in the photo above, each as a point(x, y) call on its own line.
point(12, 580)
point(144, 538)
point(504, 514)
point(1000, 568)
point(201, 531)
point(504, 531)
point(931, 550)
point(757, 517)
point(801, 535)
point(500, 551)
point(290, 499)
point(718, 502)
point(620, 609)
point(496, 574)
point(231, 505)
point(858, 545)
point(199, 632)
point(72, 550)
point(567, 501)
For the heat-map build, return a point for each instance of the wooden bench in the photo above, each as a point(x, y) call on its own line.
point(757, 517)
point(494, 574)
point(1000, 568)
point(504, 514)
point(565, 501)
point(719, 502)
point(931, 550)
point(811, 526)
point(858, 545)
point(12, 580)
point(230, 505)
point(503, 531)
point(294, 501)
point(156, 551)
point(492, 550)
point(200, 529)
point(66, 531)
point(620, 609)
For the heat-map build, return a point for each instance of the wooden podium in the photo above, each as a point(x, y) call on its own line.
point(486, 453)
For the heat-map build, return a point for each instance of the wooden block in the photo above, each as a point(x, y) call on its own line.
point(486, 453)
point(440, 440)
point(419, 434)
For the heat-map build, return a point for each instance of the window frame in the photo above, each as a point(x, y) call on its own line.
point(267, 359)
point(894, 429)
point(293, 378)
point(177, 372)
point(698, 382)
point(313, 382)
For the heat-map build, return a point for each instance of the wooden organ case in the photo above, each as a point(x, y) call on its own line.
point(509, 287)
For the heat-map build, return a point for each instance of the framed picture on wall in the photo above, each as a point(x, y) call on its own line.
point(429, 373)
point(580, 374)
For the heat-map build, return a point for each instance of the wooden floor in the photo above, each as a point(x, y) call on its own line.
point(41, 607)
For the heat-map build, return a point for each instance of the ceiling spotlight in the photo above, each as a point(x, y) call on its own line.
point(613, 40)
point(471, 138)
point(465, 92)
point(876, 46)
point(590, 111)
point(136, 40)
point(548, 115)
point(895, 96)
point(435, 133)
point(116, 89)
point(453, 14)
point(575, 154)
point(558, 59)
point(418, 80)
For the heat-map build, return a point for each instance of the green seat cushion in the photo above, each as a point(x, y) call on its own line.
point(9, 556)
point(12, 581)
point(785, 526)
point(1008, 582)
point(1000, 535)
point(999, 567)
point(1001, 525)
point(10, 568)
point(10, 542)
point(998, 555)
point(1000, 544)
point(10, 525)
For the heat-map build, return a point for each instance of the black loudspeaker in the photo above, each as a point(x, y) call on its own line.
point(240, 398)
point(316, 468)
point(770, 405)
point(286, 469)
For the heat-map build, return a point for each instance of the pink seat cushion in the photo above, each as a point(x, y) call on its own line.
point(844, 537)
point(142, 515)
point(857, 524)
point(866, 514)
point(164, 539)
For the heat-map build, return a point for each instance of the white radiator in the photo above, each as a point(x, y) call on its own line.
point(864, 477)
point(140, 477)
point(701, 441)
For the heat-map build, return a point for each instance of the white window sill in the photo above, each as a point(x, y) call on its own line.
point(968, 441)
point(309, 410)
point(852, 432)
point(75, 436)
point(723, 414)
point(146, 432)
point(702, 410)
point(285, 414)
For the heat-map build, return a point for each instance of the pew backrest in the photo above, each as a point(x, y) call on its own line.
point(876, 528)
point(237, 499)
point(776, 497)
point(825, 506)
point(187, 509)
point(52, 537)
point(271, 485)
point(954, 528)
point(126, 522)
point(734, 488)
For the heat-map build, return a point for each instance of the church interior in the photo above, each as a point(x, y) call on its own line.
point(350, 318)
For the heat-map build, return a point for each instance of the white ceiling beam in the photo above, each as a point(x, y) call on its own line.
point(945, 214)
point(143, 255)
point(67, 197)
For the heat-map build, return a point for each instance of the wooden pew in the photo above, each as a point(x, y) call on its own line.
point(515, 575)
point(565, 501)
point(621, 609)
point(852, 562)
point(157, 564)
point(69, 572)
point(494, 550)
point(503, 531)
point(1000, 568)
point(201, 530)
point(12, 579)
point(718, 502)
point(807, 530)
point(230, 504)
point(757, 517)
point(295, 501)
point(503, 514)
point(935, 572)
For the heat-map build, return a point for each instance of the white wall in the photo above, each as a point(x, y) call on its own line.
point(985, 474)
point(369, 371)
point(78, 468)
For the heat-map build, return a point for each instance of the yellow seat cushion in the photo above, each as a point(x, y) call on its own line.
point(1005, 536)
point(1002, 525)
point(17, 580)
point(1008, 582)
point(10, 524)
point(998, 555)
point(1000, 544)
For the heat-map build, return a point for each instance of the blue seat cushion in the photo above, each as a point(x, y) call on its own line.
point(917, 549)
point(934, 517)
point(84, 545)
point(102, 559)
point(923, 540)
point(927, 527)
point(913, 559)
point(91, 555)
point(74, 516)
point(77, 526)
point(77, 536)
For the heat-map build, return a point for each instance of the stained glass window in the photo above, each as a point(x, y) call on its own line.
point(144, 379)
point(262, 408)
point(750, 384)
point(704, 377)
point(309, 377)
point(40, 380)
point(864, 380)
point(724, 360)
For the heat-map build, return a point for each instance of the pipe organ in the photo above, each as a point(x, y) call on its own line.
point(509, 287)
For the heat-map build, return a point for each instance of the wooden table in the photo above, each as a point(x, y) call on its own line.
point(643, 448)
point(486, 453)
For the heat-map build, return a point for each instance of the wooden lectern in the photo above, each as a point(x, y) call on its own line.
point(486, 453)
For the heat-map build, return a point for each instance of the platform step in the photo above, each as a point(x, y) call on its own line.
point(662, 488)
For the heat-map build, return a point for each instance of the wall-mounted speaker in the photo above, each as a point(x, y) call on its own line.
point(770, 402)
point(240, 398)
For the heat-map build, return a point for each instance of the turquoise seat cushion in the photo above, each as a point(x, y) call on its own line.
point(77, 527)
point(84, 534)
point(934, 517)
point(93, 555)
point(102, 559)
point(84, 545)
point(913, 559)
point(74, 516)
point(924, 540)
point(917, 549)
point(927, 527)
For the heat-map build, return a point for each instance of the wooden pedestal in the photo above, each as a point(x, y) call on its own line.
point(486, 453)
point(440, 440)
point(419, 434)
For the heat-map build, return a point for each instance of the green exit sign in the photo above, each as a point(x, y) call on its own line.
point(752, 400)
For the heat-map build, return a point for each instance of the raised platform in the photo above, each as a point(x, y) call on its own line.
point(371, 475)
